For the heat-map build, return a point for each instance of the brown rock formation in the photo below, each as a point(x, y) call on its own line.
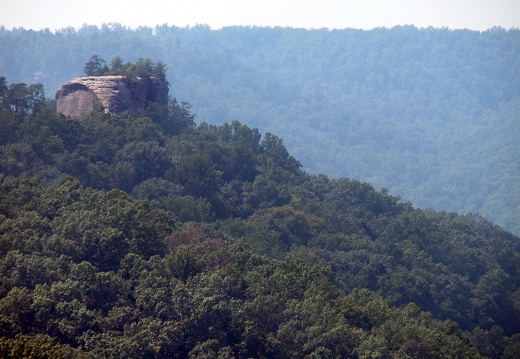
point(114, 94)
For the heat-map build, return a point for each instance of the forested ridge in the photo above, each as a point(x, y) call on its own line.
point(430, 114)
point(155, 237)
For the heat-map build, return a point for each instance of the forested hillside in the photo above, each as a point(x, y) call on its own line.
point(155, 237)
point(429, 114)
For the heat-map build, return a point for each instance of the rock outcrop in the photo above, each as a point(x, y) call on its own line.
point(114, 94)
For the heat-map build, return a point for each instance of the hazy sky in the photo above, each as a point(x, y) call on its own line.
point(365, 14)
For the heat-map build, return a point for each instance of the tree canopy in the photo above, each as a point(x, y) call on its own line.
point(142, 68)
point(430, 114)
point(133, 237)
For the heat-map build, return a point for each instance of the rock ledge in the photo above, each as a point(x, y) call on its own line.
point(113, 93)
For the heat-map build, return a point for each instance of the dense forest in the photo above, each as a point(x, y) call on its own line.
point(430, 114)
point(160, 238)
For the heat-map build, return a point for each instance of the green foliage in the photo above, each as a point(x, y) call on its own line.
point(203, 296)
point(141, 68)
point(20, 99)
point(138, 237)
point(35, 347)
point(94, 67)
point(430, 114)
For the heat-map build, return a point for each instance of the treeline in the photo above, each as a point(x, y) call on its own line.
point(96, 66)
point(430, 114)
point(21, 98)
point(129, 237)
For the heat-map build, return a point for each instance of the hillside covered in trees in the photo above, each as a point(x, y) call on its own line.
point(155, 237)
point(429, 114)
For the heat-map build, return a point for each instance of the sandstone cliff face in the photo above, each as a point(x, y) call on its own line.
point(114, 94)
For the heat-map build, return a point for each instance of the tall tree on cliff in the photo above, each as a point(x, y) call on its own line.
point(95, 67)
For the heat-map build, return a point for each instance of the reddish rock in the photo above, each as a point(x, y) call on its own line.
point(114, 94)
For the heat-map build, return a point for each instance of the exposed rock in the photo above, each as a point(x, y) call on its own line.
point(114, 94)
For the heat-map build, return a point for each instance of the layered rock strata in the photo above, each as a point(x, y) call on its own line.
point(114, 94)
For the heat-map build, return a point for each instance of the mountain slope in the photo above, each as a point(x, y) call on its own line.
point(429, 114)
point(226, 204)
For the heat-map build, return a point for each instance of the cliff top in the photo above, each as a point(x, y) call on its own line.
point(114, 93)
